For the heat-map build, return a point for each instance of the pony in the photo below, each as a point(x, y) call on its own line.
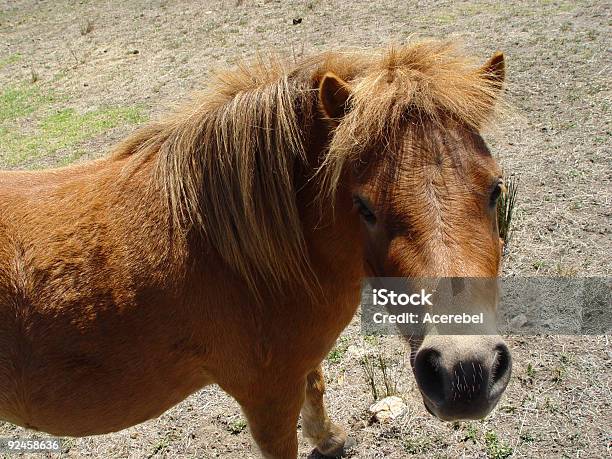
point(226, 243)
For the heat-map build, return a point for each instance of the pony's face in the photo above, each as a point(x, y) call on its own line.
point(430, 215)
point(430, 211)
point(427, 209)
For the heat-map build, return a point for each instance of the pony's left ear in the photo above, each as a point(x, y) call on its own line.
point(494, 69)
point(334, 94)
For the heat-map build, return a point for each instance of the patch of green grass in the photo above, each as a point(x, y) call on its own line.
point(63, 129)
point(558, 374)
point(337, 353)
point(495, 448)
point(236, 427)
point(508, 408)
point(10, 59)
point(424, 444)
point(372, 340)
point(538, 265)
point(530, 370)
point(161, 445)
point(19, 101)
point(471, 432)
point(74, 126)
point(445, 18)
point(418, 445)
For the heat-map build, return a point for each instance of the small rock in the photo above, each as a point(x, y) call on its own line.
point(518, 322)
point(387, 409)
point(134, 51)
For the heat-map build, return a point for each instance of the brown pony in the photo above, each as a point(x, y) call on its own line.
point(227, 244)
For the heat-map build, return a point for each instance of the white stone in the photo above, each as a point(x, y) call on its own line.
point(388, 408)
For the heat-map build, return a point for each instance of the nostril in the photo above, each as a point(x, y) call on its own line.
point(500, 371)
point(428, 373)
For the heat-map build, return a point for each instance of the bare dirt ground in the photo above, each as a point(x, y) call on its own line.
point(75, 77)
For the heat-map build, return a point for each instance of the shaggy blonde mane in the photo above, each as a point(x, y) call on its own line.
point(226, 163)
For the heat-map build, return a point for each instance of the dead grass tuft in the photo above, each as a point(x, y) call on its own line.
point(87, 27)
point(505, 209)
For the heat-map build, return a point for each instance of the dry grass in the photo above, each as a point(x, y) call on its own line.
point(87, 27)
point(505, 209)
point(383, 374)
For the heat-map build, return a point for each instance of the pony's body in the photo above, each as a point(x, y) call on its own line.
point(106, 320)
point(222, 245)
point(82, 301)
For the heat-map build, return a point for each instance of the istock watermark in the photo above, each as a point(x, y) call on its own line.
point(428, 318)
point(383, 297)
point(479, 306)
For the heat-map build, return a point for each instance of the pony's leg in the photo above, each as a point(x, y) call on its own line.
point(329, 438)
point(273, 420)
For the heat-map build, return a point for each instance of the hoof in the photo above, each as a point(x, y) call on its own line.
point(336, 445)
point(341, 451)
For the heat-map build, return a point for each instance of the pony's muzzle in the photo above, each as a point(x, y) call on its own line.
point(462, 378)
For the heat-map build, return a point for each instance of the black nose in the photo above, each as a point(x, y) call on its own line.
point(462, 388)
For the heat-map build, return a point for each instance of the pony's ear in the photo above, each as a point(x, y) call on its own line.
point(334, 93)
point(495, 69)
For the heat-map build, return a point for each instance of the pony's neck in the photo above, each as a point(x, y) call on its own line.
point(237, 180)
point(331, 229)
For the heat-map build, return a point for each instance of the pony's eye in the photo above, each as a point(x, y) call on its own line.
point(364, 210)
point(496, 192)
